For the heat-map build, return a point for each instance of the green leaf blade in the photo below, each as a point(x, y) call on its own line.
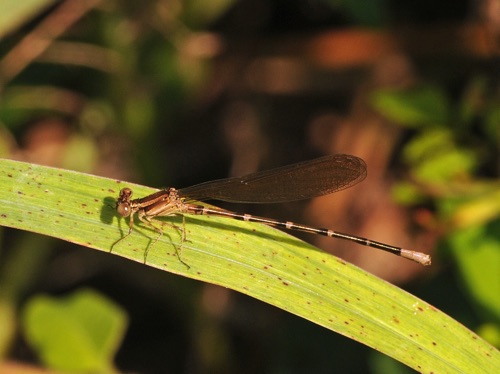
point(254, 259)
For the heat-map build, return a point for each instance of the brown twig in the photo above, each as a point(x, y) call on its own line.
point(37, 41)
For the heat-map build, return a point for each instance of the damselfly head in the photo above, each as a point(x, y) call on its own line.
point(123, 202)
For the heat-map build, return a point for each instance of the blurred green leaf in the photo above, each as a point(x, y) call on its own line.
point(200, 13)
point(491, 333)
point(444, 166)
point(435, 158)
point(483, 207)
point(427, 144)
point(79, 333)
point(14, 13)
point(406, 193)
point(422, 106)
point(477, 252)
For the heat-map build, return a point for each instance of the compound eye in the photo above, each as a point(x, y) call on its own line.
point(123, 209)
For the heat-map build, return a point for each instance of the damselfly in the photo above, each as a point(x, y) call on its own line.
point(299, 181)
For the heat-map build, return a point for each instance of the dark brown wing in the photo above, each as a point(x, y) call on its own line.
point(299, 181)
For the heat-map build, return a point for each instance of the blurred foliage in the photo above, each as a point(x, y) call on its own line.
point(114, 91)
point(80, 333)
point(448, 159)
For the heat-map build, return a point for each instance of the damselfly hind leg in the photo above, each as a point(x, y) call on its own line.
point(148, 221)
point(181, 230)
